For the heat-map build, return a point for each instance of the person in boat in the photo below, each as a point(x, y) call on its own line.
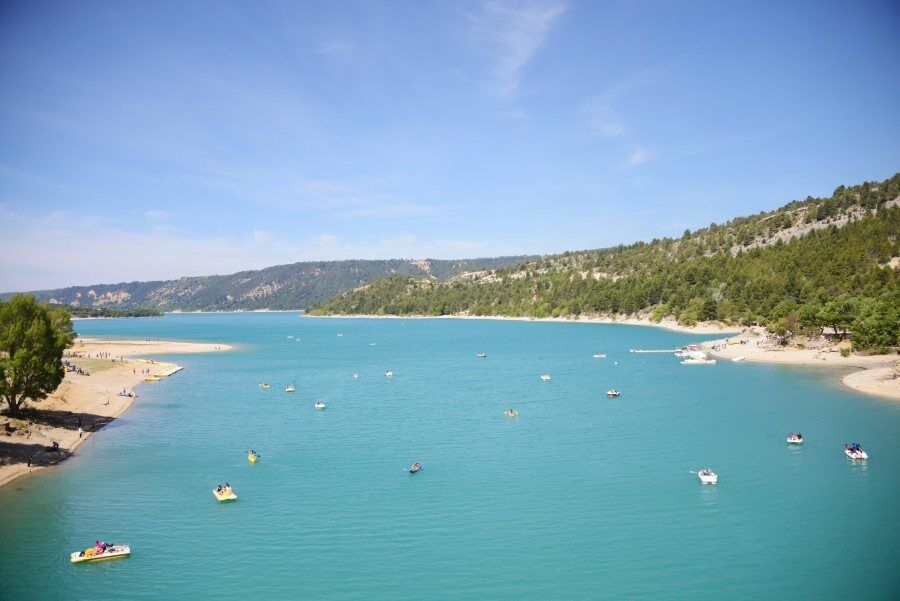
point(799, 436)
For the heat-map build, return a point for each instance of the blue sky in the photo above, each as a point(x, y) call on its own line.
point(156, 140)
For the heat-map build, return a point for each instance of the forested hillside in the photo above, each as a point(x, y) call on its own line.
point(817, 262)
point(293, 286)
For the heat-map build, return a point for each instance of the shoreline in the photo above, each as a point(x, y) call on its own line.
point(666, 324)
point(86, 400)
point(873, 375)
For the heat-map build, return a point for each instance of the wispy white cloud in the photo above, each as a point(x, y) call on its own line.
point(515, 31)
point(638, 156)
point(156, 215)
point(603, 115)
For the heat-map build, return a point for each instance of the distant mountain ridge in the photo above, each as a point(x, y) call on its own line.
point(291, 286)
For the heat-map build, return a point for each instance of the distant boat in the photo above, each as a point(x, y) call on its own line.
point(693, 361)
point(415, 467)
point(224, 493)
point(264, 385)
point(707, 476)
point(340, 333)
point(356, 375)
point(289, 388)
point(511, 412)
point(319, 405)
point(795, 438)
point(252, 457)
point(599, 356)
point(481, 355)
point(389, 373)
point(545, 377)
point(371, 344)
point(289, 336)
point(612, 393)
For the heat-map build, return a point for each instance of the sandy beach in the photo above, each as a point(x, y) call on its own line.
point(875, 376)
point(86, 401)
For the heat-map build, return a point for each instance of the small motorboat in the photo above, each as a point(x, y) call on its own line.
point(854, 451)
point(707, 476)
point(253, 456)
point(289, 388)
point(612, 393)
point(224, 493)
point(389, 373)
point(599, 356)
point(545, 377)
point(103, 553)
point(795, 438)
point(511, 412)
point(319, 405)
point(356, 375)
point(415, 467)
point(265, 385)
point(739, 359)
point(698, 361)
point(481, 355)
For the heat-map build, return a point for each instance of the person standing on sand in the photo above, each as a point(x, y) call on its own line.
point(80, 432)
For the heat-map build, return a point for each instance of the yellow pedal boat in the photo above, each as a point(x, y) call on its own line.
point(252, 457)
point(92, 554)
point(265, 384)
point(225, 495)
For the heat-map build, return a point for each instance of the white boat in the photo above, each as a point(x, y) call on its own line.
point(319, 405)
point(340, 333)
point(857, 454)
point(795, 438)
point(289, 388)
point(356, 375)
point(707, 476)
point(289, 336)
point(599, 356)
point(481, 355)
point(739, 359)
point(371, 344)
point(92, 554)
point(511, 412)
point(389, 373)
point(612, 393)
point(693, 361)
point(545, 377)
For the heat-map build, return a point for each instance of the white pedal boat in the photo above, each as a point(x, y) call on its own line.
point(112, 552)
point(545, 377)
point(707, 476)
point(612, 393)
point(599, 356)
point(319, 405)
point(389, 374)
point(860, 454)
point(794, 439)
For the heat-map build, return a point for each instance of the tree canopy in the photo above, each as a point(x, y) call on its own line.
point(32, 340)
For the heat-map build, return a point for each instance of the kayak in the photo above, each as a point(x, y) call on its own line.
point(225, 495)
point(91, 555)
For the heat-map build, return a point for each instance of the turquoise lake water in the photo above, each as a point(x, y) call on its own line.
point(579, 497)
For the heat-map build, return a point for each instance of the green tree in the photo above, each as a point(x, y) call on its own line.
point(32, 341)
point(878, 324)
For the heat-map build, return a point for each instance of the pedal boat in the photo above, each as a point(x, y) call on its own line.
point(860, 454)
point(415, 467)
point(252, 457)
point(289, 389)
point(91, 555)
point(319, 405)
point(225, 495)
point(545, 377)
point(794, 439)
point(511, 413)
point(707, 476)
point(612, 393)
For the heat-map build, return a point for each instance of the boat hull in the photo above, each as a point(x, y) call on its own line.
point(225, 496)
point(76, 557)
point(858, 455)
